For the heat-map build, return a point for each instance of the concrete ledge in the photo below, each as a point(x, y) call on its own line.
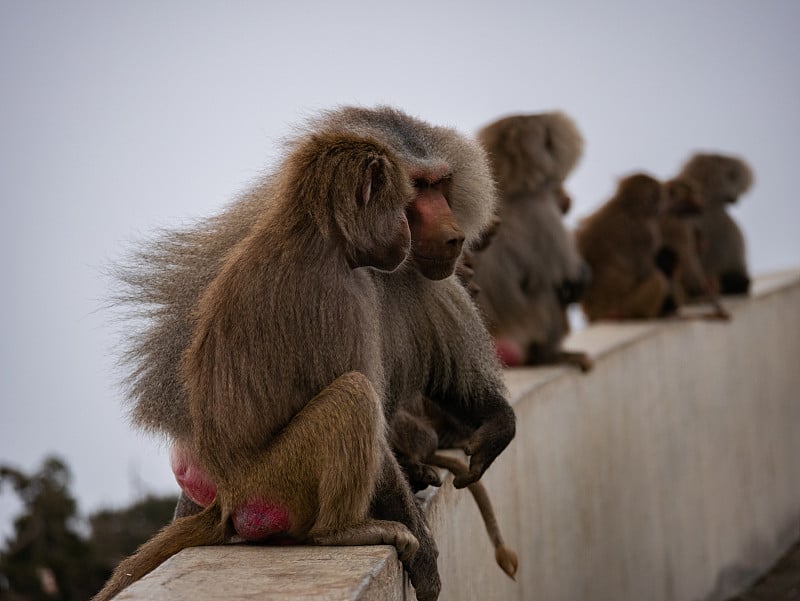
point(670, 472)
point(279, 573)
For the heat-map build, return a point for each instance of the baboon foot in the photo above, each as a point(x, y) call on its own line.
point(372, 532)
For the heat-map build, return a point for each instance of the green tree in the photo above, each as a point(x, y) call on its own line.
point(46, 558)
point(117, 533)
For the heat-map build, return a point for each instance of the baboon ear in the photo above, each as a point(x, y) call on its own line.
point(370, 174)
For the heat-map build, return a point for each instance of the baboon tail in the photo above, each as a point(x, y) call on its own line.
point(204, 528)
point(505, 556)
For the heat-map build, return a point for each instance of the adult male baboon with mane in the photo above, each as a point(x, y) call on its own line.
point(531, 270)
point(212, 287)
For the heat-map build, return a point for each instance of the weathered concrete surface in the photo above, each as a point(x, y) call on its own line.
point(670, 472)
point(243, 572)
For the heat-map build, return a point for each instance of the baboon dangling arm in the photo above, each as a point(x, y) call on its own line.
point(466, 380)
point(393, 501)
point(497, 428)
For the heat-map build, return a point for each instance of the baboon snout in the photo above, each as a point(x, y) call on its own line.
point(446, 243)
point(436, 238)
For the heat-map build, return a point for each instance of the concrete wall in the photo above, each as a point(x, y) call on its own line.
point(670, 472)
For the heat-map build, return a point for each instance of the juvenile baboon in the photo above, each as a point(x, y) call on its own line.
point(531, 270)
point(679, 232)
point(415, 437)
point(622, 243)
point(431, 338)
point(282, 372)
point(721, 180)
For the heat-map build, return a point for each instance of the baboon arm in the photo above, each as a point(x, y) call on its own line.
point(497, 427)
point(393, 501)
point(647, 299)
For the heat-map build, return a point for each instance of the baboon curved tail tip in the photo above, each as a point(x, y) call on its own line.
point(506, 558)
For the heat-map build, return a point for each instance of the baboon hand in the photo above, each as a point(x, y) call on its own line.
point(485, 444)
point(424, 573)
point(421, 476)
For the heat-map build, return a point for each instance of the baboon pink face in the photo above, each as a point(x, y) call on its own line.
point(436, 238)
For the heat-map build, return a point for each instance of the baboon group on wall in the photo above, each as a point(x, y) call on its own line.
point(310, 351)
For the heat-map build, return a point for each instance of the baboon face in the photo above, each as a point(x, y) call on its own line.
point(436, 238)
point(720, 178)
point(683, 198)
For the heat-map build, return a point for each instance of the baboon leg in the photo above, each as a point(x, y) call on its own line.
point(649, 299)
point(394, 501)
point(332, 450)
point(580, 360)
point(372, 532)
point(542, 354)
point(412, 438)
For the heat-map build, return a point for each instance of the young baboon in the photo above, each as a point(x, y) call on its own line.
point(721, 180)
point(426, 340)
point(679, 232)
point(282, 372)
point(531, 270)
point(414, 436)
point(622, 243)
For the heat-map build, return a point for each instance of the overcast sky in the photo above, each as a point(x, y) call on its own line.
point(117, 118)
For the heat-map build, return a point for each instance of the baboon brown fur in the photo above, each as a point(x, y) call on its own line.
point(282, 372)
point(415, 437)
point(621, 241)
point(721, 180)
point(431, 338)
point(531, 270)
point(679, 232)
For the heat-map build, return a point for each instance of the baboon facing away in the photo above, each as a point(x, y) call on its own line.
point(621, 241)
point(282, 372)
point(721, 180)
point(531, 270)
point(419, 305)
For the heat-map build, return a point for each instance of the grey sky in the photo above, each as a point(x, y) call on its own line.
point(117, 118)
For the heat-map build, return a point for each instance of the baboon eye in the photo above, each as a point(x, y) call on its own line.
point(420, 184)
point(442, 184)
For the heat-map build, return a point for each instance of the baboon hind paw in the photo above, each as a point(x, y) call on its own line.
point(372, 532)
